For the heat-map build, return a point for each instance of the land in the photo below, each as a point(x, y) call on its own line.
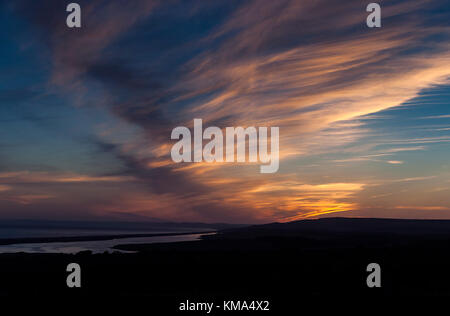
point(282, 263)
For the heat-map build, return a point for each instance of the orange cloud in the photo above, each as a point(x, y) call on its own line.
point(48, 177)
point(266, 65)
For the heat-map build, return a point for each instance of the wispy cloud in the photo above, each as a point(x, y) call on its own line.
point(437, 116)
point(47, 177)
point(263, 63)
point(424, 208)
point(395, 162)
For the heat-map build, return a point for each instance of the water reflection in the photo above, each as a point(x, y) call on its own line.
point(94, 246)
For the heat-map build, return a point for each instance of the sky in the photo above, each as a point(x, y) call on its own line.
point(86, 113)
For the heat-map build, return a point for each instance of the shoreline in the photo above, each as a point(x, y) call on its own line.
point(38, 240)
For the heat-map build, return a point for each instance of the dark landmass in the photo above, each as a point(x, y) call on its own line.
point(283, 263)
point(344, 226)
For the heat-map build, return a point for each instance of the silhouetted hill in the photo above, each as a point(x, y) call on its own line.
point(340, 226)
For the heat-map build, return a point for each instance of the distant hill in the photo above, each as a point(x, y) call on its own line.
point(340, 226)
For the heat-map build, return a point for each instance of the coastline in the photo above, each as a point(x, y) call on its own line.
point(36, 240)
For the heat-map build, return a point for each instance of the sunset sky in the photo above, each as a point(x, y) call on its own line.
point(86, 114)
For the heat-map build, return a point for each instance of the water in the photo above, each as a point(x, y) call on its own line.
point(71, 232)
point(94, 246)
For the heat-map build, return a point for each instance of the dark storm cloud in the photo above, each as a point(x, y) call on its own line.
point(136, 96)
point(160, 180)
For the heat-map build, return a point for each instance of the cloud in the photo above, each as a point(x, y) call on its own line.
point(424, 208)
point(436, 116)
point(26, 199)
point(48, 177)
point(4, 188)
point(395, 162)
point(311, 68)
point(73, 51)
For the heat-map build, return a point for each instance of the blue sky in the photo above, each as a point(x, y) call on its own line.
point(86, 114)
